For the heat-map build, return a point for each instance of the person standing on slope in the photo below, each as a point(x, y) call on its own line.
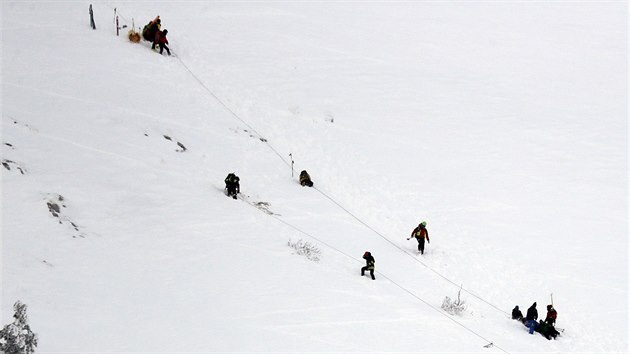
point(551, 315)
point(369, 264)
point(161, 41)
point(420, 233)
point(531, 317)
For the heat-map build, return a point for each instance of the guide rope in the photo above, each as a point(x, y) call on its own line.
point(407, 253)
point(417, 297)
point(261, 138)
point(235, 115)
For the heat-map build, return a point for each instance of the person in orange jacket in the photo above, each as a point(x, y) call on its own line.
point(151, 28)
point(420, 233)
point(160, 39)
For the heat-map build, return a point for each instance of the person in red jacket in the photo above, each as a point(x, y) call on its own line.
point(160, 39)
point(551, 315)
point(420, 233)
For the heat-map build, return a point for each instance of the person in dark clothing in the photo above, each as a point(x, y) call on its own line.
point(420, 233)
point(305, 179)
point(517, 314)
point(530, 319)
point(532, 313)
point(369, 264)
point(551, 315)
point(232, 185)
point(151, 28)
point(161, 41)
point(547, 330)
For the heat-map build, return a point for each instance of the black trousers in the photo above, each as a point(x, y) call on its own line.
point(231, 191)
point(162, 47)
point(371, 272)
point(420, 244)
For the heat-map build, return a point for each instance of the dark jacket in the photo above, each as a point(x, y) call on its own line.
point(532, 313)
point(369, 260)
point(232, 181)
point(517, 314)
point(420, 232)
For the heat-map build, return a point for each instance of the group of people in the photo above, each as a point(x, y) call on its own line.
point(546, 327)
point(153, 32)
point(420, 233)
point(233, 186)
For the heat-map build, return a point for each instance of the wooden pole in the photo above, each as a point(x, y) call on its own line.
point(92, 24)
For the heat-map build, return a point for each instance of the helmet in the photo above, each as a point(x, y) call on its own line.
point(424, 223)
point(165, 32)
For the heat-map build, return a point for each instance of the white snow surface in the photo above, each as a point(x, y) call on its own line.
point(502, 124)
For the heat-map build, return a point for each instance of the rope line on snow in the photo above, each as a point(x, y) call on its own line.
point(235, 115)
point(261, 138)
point(392, 281)
point(407, 253)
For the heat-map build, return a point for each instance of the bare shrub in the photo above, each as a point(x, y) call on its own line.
point(307, 249)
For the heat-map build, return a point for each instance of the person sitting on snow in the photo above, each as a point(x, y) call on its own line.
point(305, 179)
point(548, 331)
point(517, 314)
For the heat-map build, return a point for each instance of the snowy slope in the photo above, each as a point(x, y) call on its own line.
point(504, 125)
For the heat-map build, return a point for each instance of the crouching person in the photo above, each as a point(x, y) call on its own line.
point(369, 264)
point(548, 331)
point(305, 179)
point(517, 314)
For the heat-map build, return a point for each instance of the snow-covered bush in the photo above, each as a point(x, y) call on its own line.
point(306, 249)
point(17, 337)
point(454, 307)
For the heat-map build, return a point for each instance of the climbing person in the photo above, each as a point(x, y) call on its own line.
point(232, 185)
point(551, 315)
point(531, 317)
point(151, 28)
point(517, 314)
point(305, 179)
point(161, 41)
point(369, 264)
point(420, 233)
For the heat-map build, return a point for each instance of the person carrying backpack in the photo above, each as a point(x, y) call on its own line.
point(369, 264)
point(420, 233)
point(151, 28)
point(232, 185)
